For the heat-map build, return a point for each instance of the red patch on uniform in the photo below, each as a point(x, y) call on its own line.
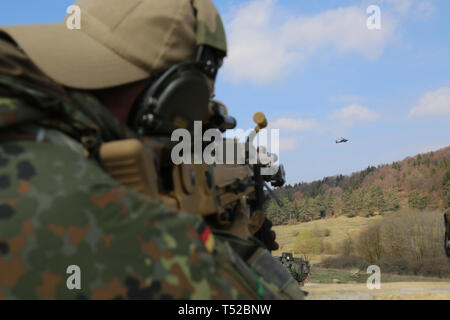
point(206, 234)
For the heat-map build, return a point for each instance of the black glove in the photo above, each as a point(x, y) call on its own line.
point(267, 236)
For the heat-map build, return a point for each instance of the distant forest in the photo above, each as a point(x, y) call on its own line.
point(420, 182)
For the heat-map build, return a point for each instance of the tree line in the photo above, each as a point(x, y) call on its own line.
point(420, 182)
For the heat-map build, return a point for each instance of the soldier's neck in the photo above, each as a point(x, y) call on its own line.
point(120, 100)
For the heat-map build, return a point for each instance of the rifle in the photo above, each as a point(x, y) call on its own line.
point(200, 189)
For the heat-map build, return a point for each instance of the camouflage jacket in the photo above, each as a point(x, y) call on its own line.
point(255, 267)
point(59, 209)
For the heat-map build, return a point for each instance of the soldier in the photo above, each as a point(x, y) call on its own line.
point(62, 94)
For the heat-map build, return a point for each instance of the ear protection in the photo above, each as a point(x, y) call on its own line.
point(178, 97)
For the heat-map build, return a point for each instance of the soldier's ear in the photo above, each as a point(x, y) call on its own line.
point(179, 96)
point(176, 99)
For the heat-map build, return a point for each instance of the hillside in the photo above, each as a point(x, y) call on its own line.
point(419, 182)
point(337, 230)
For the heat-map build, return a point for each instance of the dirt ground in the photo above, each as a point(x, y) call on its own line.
point(388, 291)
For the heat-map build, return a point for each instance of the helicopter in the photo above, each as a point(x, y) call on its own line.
point(342, 140)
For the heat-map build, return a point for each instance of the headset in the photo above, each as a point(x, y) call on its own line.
point(178, 97)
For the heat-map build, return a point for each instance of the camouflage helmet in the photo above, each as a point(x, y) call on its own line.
point(120, 42)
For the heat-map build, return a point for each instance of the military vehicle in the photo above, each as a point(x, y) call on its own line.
point(298, 267)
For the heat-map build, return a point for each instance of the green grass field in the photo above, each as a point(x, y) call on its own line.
point(322, 275)
point(340, 229)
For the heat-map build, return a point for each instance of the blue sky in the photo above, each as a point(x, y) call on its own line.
point(318, 73)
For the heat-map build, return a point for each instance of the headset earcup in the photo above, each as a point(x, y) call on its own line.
point(184, 99)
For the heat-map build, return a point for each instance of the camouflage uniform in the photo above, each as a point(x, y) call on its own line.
point(254, 266)
point(58, 207)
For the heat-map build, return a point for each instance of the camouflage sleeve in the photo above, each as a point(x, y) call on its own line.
point(59, 209)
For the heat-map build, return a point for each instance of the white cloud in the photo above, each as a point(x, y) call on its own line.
point(294, 124)
point(255, 51)
point(421, 9)
point(265, 44)
point(277, 143)
point(399, 6)
point(355, 113)
point(433, 103)
point(288, 144)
